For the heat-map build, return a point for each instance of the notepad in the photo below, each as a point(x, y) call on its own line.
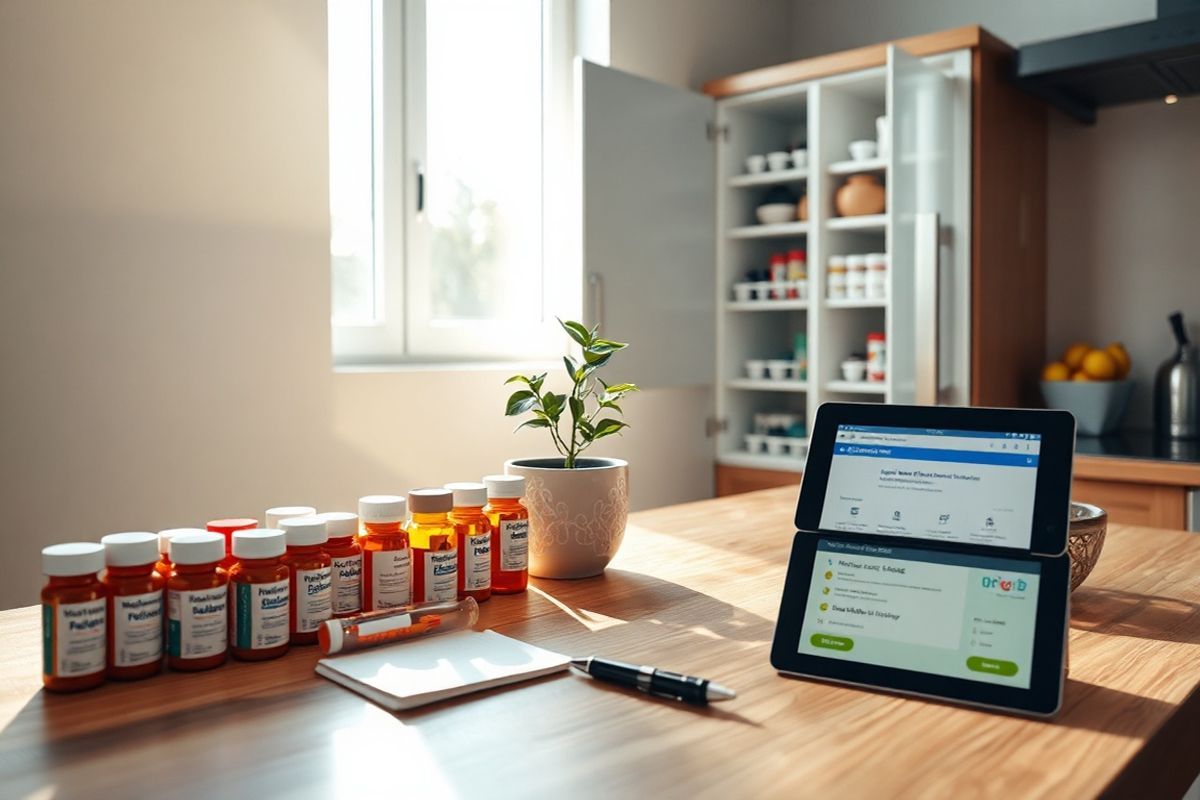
point(434, 668)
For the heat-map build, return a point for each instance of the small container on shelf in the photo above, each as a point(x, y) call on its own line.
point(854, 369)
point(800, 353)
point(835, 278)
point(756, 368)
point(756, 164)
point(856, 277)
point(743, 291)
point(797, 272)
point(779, 369)
point(778, 271)
point(777, 160)
point(876, 357)
point(776, 445)
point(877, 275)
point(796, 446)
point(755, 442)
point(762, 290)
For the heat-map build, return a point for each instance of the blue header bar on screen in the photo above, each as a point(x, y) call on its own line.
point(935, 454)
point(940, 432)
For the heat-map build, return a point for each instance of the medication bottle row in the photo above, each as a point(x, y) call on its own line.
point(112, 609)
point(857, 277)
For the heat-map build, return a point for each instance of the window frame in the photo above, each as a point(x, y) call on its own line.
point(401, 234)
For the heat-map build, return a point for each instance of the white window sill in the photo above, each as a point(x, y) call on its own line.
point(416, 367)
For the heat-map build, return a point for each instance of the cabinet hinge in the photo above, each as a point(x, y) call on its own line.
point(715, 131)
point(715, 425)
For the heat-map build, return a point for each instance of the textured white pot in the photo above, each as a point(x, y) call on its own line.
point(576, 516)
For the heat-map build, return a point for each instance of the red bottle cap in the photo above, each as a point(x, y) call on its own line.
point(875, 337)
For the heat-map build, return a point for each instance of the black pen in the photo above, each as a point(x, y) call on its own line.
point(689, 689)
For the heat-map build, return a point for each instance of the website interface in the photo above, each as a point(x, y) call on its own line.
point(961, 616)
point(975, 487)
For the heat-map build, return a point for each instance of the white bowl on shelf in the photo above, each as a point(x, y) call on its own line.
point(762, 290)
point(755, 442)
point(777, 161)
point(863, 150)
point(796, 446)
point(742, 292)
point(756, 164)
point(778, 369)
point(799, 158)
point(854, 370)
point(776, 445)
point(775, 213)
point(756, 369)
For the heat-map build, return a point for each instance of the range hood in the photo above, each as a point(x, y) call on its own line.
point(1143, 61)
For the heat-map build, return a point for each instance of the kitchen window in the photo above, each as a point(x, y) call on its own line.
point(447, 221)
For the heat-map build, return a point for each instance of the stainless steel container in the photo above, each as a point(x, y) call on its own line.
point(1177, 388)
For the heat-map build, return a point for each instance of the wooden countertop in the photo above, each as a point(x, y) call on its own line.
point(695, 588)
point(1130, 469)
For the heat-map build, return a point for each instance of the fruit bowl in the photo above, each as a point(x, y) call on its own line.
point(1088, 524)
point(1098, 406)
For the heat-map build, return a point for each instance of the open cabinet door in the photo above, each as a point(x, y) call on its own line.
point(648, 225)
point(926, 340)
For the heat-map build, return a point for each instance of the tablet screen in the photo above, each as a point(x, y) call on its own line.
point(975, 487)
point(962, 616)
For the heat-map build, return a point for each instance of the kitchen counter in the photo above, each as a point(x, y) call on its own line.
point(1138, 457)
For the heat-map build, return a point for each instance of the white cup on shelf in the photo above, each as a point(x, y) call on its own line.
point(799, 158)
point(756, 368)
point(743, 291)
point(756, 164)
point(854, 370)
point(779, 369)
point(777, 161)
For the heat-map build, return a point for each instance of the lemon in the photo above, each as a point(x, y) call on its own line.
point(1100, 365)
point(1073, 355)
point(1080, 375)
point(1121, 356)
point(1056, 371)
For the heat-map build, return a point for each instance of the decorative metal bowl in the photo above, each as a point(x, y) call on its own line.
point(1085, 539)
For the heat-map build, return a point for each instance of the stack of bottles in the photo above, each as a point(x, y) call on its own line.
point(192, 597)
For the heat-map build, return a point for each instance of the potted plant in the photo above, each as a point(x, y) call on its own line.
point(577, 505)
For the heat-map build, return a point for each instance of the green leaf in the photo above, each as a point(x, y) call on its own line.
point(609, 426)
point(610, 404)
point(577, 332)
point(517, 379)
point(576, 409)
point(602, 346)
point(532, 423)
point(535, 383)
point(621, 388)
point(520, 402)
point(586, 430)
point(571, 366)
point(595, 361)
point(552, 404)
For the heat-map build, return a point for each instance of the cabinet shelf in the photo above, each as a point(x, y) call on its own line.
point(857, 167)
point(768, 231)
point(766, 305)
point(767, 385)
point(857, 387)
point(869, 302)
point(740, 458)
point(768, 178)
point(866, 222)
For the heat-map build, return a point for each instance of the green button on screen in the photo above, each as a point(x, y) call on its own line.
point(831, 642)
point(992, 666)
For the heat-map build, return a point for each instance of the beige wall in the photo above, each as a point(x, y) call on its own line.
point(164, 286)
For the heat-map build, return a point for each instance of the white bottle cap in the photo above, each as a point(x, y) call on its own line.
point(382, 508)
point(202, 547)
point(74, 558)
point(340, 524)
point(837, 261)
point(504, 485)
point(131, 549)
point(856, 261)
point(259, 543)
point(275, 515)
point(304, 531)
point(165, 537)
point(333, 627)
point(468, 494)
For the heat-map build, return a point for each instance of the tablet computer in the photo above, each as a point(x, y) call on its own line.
point(996, 479)
point(926, 620)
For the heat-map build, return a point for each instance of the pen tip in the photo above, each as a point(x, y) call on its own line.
point(718, 692)
point(580, 663)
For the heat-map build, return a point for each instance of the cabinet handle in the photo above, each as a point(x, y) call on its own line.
point(420, 170)
point(925, 261)
point(596, 285)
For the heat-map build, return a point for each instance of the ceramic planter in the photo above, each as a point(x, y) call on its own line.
point(861, 194)
point(576, 516)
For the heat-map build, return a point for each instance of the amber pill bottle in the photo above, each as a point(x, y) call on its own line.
point(73, 617)
point(346, 593)
point(259, 590)
point(510, 521)
point(227, 527)
point(311, 577)
point(135, 605)
point(434, 545)
point(474, 531)
point(387, 560)
point(197, 602)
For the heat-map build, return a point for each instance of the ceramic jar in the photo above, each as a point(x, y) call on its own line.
point(861, 194)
